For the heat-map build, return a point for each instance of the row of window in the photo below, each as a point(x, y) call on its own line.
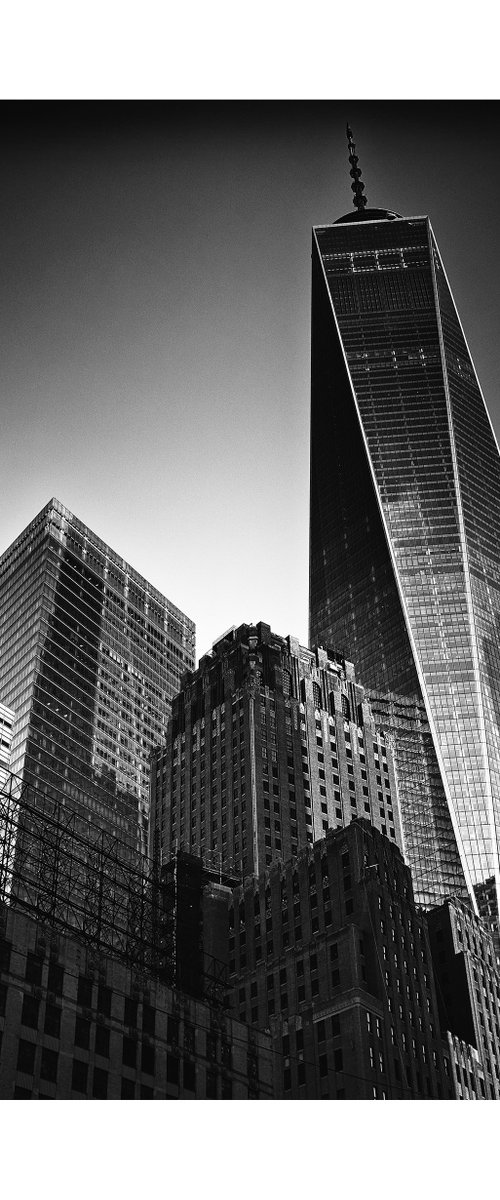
point(94, 1082)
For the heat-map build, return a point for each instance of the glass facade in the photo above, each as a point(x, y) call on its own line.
point(91, 656)
point(405, 516)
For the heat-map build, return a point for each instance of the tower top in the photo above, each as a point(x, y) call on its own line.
point(357, 186)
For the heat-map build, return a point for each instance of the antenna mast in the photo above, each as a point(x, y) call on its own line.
point(357, 186)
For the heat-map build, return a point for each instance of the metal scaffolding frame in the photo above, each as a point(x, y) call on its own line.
point(68, 873)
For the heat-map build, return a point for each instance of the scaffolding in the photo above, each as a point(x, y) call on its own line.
point(74, 876)
point(68, 873)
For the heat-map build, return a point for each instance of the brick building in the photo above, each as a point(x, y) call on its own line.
point(468, 990)
point(114, 978)
point(269, 745)
point(330, 953)
point(76, 1025)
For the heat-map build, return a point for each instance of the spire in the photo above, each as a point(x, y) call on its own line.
point(358, 188)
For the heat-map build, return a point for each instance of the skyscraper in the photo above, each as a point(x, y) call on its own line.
point(270, 745)
point(405, 514)
point(90, 657)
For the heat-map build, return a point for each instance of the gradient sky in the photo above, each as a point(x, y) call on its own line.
point(155, 319)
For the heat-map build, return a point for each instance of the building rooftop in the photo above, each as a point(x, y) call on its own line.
point(368, 214)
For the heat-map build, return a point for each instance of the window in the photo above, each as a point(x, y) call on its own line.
point(104, 995)
point(34, 964)
point(129, 1052)
point(102, 1041)
point(189, 1038)
point(148, 1019)
point(55, 978)
point(48, 1069)
point(26, 1057)
point(100, 1084)
point(172, 1069)
point(148, 1060)
point(79, 1076)
point(172, 1030)
point(211, 1085)
point(29, 1015)
point(128, 1089)
point(84, 994)
point(52, 1020)
point(323, 1066)
point(130, 1012)
point(189, 1076)
point(82, 1033)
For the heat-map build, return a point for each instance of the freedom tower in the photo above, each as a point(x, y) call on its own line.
point(405, 530)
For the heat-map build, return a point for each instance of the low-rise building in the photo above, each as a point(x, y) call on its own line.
point(78, 1025)
point(330, 954)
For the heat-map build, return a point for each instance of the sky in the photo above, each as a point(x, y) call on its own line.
point(155, 319)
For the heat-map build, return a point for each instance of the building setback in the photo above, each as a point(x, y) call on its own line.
point(468, 989)
point(405, 515)
point(91, 655)
point(269, 745)
point(77, 1025)
point(332, 956)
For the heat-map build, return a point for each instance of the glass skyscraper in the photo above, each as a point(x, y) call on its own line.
point(90, 658)
point(405, 527)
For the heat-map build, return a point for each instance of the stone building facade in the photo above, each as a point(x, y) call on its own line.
point(331, 955)
point(77, 1025)
point(269, 746)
